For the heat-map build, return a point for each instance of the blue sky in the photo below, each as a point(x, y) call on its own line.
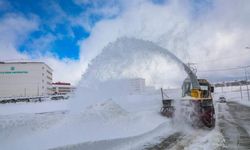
point(58, 31)
point(56, 20)
point(51, 22)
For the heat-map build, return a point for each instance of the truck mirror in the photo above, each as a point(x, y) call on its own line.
point(212, 89)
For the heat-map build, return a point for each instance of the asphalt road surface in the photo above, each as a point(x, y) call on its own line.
point(234, 124)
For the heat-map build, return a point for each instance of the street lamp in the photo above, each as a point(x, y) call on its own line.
point(246, 75)
point(248, 96)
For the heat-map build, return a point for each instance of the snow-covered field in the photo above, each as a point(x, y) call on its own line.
point(46, 128)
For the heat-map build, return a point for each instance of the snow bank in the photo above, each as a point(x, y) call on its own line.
point(46, 106)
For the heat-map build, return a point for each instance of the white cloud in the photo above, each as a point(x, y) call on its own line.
point(13, 30)
point(95, 8)
point(222, 31)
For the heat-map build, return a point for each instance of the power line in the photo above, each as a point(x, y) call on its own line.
point(228, 57)
point(225, 69)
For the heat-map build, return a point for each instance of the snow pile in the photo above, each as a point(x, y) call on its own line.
point(103, 111)
point(99, 92)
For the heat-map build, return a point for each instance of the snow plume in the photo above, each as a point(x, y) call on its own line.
point(134, 58)
point(142, 20)
point(106, 76)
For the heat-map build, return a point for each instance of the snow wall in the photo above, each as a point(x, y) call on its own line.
point(124, 59)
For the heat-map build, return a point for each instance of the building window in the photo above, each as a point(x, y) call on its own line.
point(49, 78)
point(64, 88)
point(49, 72)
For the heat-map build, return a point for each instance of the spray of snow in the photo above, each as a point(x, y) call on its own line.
point(124, 59)
point(130, 58)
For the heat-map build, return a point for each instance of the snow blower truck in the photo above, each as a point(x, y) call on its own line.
point(197, 102)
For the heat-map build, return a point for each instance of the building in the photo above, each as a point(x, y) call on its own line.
point(137, 85)
point(25, 79)
point(232, 83)
point(60, 88)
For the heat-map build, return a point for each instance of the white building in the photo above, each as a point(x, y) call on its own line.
point(60, 88)
point(25, 79)
point(137, 85)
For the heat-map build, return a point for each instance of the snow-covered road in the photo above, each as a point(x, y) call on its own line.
point(234, 124)
point(231, 132)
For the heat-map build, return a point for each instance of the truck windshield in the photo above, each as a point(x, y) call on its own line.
point(204, 87)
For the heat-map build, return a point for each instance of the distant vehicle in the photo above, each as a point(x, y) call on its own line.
point(58, 98)
point(222, 99)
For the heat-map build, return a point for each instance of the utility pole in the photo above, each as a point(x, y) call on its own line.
point(240, 92)
point(247, 84)
point(162, 96)
point(222, 87)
